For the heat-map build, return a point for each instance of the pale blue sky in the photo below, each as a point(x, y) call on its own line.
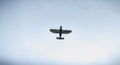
point(94, 40)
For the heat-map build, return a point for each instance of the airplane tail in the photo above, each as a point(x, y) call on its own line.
point(61, 38)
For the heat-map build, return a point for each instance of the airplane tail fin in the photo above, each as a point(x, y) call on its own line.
point(61, 38)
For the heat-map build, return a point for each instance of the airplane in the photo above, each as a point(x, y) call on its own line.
point(60, 32)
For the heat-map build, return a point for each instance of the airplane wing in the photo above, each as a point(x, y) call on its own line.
point(66, 31)
point(54, 30)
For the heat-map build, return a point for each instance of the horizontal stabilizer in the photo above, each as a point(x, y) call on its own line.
point(61, 38)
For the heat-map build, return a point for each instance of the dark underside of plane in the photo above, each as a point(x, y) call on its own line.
point(60, 32)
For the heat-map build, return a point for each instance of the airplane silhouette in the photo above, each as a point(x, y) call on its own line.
point(60, 32)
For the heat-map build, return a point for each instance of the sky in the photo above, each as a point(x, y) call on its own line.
point(25, 35)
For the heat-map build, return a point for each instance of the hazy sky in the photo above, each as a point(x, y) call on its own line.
point(95, 37)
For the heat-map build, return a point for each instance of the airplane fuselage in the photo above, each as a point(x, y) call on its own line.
point(60, 32)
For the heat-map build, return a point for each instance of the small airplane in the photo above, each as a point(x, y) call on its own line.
point(60, 32)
